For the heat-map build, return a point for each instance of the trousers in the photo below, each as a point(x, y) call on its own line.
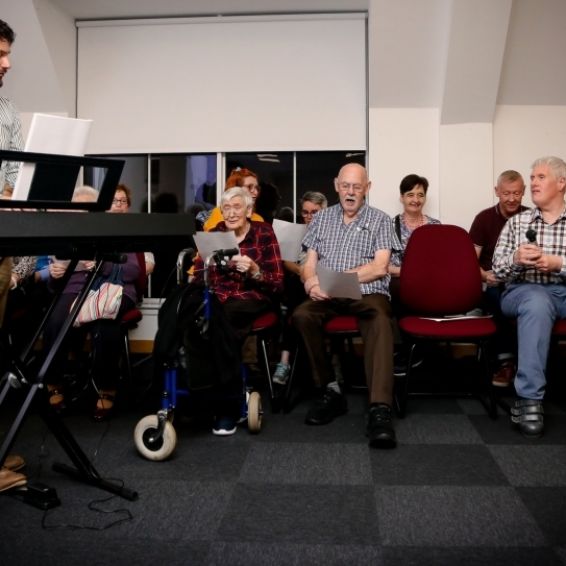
point(535, 307)
point(374, 319)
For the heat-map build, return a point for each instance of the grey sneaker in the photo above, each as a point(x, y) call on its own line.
point(527, 414)
point(281, 374)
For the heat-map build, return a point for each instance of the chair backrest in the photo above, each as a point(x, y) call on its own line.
point(440, 274)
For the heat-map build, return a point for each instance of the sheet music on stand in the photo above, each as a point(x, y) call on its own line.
point(54, 135)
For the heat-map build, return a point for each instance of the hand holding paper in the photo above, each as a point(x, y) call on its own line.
point(339, 284)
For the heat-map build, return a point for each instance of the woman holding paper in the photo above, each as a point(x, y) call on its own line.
point(294, 293)
point(246, 286)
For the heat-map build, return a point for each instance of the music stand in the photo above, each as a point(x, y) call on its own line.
point(49, 190)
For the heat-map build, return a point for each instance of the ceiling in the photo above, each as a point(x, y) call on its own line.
point(101, 9)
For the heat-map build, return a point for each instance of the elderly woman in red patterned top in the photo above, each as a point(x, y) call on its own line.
point(246, 286)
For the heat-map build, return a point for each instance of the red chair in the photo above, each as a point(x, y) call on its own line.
point(338, 329)
point(440, 278)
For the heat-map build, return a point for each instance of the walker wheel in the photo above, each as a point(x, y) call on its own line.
point(152, 448)
point(254, 412)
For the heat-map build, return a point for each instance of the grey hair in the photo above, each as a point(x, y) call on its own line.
point(234, 192)
point(510, 176)
point(556, 165)
point(316, 198)
point(85, 191)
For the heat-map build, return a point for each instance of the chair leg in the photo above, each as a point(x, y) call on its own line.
point(265, 358)
point(491, 403)
point(126, 356)
point(401, 398)
point(289, 385)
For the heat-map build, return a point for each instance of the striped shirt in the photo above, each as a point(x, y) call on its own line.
point(341, 246)
point(11, 139)
point(551, 237)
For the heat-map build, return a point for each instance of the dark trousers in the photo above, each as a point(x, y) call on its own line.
point(374, 316)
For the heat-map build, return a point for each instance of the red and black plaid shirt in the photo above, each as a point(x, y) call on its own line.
point(260, 244)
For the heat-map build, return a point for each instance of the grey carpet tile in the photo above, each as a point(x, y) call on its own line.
point(548, 507)
point(300, 514)
point(532, 465)
point(291, 427)
point(255, 554)
point(212, 461)
point(561, 553)
point(501, 431)
point(439, 516)
point(470, 556)
point(177, 510)
point(83, 548)
point(418, 428)
point(307, 463)
point(436, 464)
point(435, 405)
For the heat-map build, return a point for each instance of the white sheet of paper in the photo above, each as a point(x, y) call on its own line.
point(50, 134)
point(208, 242)
point(289, 236)
point(339, 284)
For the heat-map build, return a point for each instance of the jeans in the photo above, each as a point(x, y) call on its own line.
point(536, 307)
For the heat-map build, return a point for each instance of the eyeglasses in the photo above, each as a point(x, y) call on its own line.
point(356, 187)
point(120, 201)
point(308, 212)
point(251, 187)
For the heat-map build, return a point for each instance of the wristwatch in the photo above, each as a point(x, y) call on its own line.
point(257, 274)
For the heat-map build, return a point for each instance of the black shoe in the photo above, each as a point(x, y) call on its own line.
point(401, 363)
point(380, 429)
point(325, 410)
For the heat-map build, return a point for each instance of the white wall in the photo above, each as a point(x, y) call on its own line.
point(403, 141)
point(521, 134)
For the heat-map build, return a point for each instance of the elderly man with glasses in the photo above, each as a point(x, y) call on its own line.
point(354, 237)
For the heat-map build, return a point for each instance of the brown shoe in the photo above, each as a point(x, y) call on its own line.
point(10, 479)
point(505, 375)
point(14, 462)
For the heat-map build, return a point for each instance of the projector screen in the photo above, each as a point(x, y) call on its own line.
point(278, 83)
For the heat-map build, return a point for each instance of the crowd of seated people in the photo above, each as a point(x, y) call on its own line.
point(355, 237)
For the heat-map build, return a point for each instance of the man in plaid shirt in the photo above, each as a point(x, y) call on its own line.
point(354, 237)
point(530, 256)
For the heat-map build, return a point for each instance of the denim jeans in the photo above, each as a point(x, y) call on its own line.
point(536, 307)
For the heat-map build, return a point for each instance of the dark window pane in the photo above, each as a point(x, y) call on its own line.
point(275, 172)
point(316, 171)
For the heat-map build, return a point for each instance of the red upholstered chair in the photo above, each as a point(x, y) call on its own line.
point(338, 329)
point(440, 278)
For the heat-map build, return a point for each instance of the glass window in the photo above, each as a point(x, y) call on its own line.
point(275, 172)
point(316, 171)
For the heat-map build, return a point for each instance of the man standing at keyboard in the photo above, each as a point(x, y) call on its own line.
point(10, 138)
point(530, 256)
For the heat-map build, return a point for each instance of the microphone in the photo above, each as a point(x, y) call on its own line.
point(531, 236)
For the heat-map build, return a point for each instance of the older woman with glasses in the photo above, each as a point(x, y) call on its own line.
point(294, 293)
point(245, 287)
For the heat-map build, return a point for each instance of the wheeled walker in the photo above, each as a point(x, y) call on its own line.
point(154, 435)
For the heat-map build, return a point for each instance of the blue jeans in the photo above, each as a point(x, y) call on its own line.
point(536, 307)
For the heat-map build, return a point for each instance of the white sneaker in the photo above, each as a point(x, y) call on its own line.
point(224, 426)
point(281, 374)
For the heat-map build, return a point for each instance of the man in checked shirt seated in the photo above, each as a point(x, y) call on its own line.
point(355, 237)
point(530, 256)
